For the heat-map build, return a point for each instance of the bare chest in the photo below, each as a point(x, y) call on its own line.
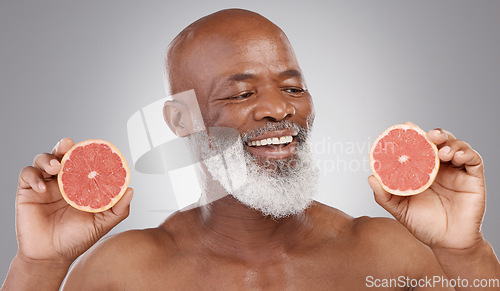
point(308, 273)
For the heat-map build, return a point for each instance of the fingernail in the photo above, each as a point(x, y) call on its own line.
point(436, 132)
point(445, 149)
point(54, 163)
point(41, 185)
point(460, 153)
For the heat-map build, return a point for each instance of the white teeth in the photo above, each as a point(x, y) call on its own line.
point(268, 141)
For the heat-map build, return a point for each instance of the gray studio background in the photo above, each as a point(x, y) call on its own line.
point(81, 69)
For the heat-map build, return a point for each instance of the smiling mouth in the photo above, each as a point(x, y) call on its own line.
point(271, 141)
point(273, 147)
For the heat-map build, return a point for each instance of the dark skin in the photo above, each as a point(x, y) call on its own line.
point(245, 74)
point(327, 251)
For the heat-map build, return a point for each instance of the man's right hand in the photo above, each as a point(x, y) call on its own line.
point(48, 228)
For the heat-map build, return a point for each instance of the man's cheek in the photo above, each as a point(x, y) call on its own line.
point(304, 107)
point(230, 116)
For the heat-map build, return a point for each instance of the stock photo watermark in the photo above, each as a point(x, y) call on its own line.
point(430, 282)
point(335, 156)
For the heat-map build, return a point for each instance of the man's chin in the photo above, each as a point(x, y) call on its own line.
point(279, 188)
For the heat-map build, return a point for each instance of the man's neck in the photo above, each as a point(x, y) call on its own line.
point(229, 228)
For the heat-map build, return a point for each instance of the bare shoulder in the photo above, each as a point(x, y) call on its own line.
point(389, 240)
point(386, 233)
point(129, 260)
point(377, 232)
point(110, 263)
point(383, 245)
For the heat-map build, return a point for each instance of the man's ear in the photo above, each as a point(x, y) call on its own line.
point(177, 118)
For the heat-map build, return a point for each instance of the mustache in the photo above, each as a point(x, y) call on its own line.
point(302, 132)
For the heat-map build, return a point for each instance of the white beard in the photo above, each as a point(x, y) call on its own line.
point(281, 192)
point(277, 188)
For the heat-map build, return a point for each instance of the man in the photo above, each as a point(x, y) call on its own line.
point(267, 233)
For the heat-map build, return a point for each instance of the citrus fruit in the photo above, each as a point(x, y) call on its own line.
point(94, 175)
point(404, 161)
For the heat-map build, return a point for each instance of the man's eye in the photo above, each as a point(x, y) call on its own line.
point(242, 96)
point(294, 91)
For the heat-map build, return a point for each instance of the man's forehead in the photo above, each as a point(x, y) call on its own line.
point(240, 48)
point(218, 60)
point(229, 43)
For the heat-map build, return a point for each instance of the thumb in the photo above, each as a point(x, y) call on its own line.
point(122, 207)
point(119, 211)
point(391, 203)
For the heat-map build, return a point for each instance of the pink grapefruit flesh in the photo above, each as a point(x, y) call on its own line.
point(94, 175)
point(404, 161)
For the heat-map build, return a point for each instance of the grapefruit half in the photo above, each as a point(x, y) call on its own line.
point(94, 175)
point(404, 161)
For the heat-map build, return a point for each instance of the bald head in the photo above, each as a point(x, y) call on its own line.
point(216, 36)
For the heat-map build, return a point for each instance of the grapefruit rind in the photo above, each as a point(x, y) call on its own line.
point(432, 175)
point(115, 199)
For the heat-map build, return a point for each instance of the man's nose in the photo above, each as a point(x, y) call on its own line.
point(273, 105)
